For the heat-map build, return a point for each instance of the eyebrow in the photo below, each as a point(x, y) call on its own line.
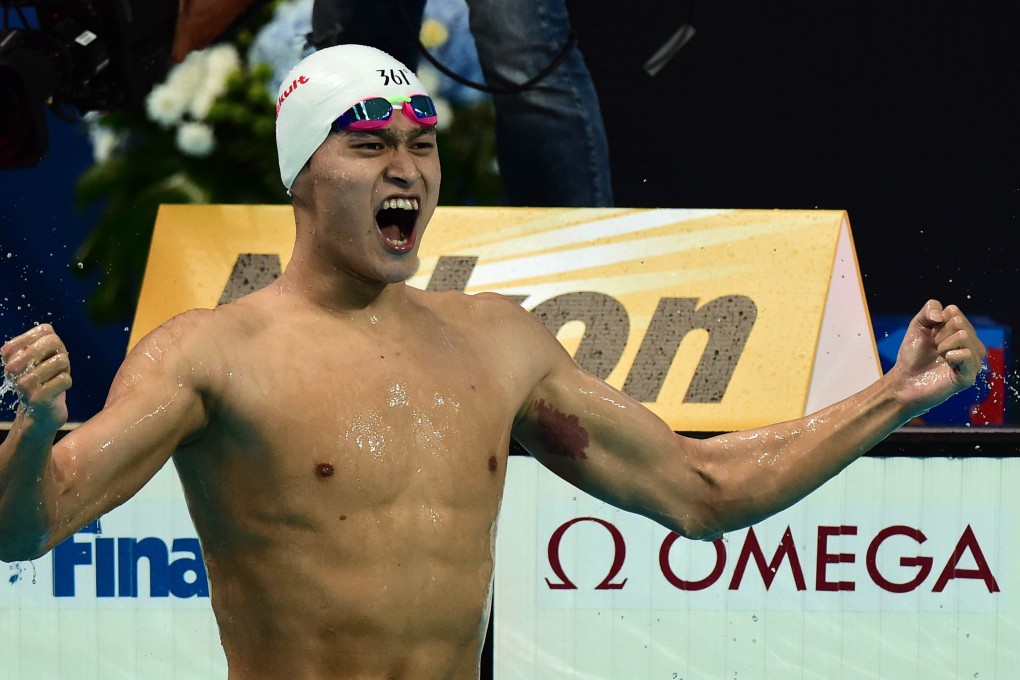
point(387, 135)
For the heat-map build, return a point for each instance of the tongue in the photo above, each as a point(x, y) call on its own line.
point(391, 232)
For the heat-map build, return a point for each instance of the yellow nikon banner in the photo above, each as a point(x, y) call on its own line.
point(717, 319)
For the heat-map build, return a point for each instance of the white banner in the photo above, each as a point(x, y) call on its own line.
point(125, 597)
point(898, 568)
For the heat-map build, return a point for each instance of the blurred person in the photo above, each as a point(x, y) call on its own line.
point(550, 136)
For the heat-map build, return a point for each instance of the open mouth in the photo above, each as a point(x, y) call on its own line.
point(396, 220)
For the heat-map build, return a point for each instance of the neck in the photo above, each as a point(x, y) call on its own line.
point(330, 270)
point(338, 292)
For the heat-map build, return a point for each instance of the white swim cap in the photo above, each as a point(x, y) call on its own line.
point(324, 85)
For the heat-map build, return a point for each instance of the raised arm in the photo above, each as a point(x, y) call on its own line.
point(48, 491)
point(612, 447)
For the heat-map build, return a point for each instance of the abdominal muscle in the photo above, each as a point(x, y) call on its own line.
point(328, 563)
point(391, 615)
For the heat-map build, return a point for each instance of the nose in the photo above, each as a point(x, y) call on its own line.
point(401, 168)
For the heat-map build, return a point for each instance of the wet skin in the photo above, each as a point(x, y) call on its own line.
point(342, 438)
point(361, 511)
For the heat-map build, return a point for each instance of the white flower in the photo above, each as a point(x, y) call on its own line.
point(195, 139)
point(202, 102)
point(104, 140)
point(104, 143)
point(165, 105)
point(220, 62)
point(192, 86)
point(168, 101)
point(187, 76)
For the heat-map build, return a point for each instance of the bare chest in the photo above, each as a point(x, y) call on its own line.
point(364, 426)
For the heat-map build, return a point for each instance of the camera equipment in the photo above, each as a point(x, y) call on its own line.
point(85, 55)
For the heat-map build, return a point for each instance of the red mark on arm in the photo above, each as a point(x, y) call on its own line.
point(560, 434)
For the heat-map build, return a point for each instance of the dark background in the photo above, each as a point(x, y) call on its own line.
point(904, 115)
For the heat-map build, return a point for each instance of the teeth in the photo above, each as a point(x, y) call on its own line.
point(400, 204)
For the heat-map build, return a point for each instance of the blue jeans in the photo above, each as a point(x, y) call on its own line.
point(551, 141)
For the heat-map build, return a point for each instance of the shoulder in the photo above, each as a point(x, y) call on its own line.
point(508, 334)
point(195, 326)
point(496, 306)
point(177, 332)
point(496, 314)
point(201, 337)
point(245, 317)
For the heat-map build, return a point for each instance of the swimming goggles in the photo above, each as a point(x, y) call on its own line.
point(375, 113)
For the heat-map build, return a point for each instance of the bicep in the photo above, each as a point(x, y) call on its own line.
point(609, 445)
point(153, 406)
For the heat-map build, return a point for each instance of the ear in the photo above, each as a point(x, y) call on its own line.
point(301, 189)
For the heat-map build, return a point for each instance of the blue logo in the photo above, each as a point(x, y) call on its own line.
point(175, 570)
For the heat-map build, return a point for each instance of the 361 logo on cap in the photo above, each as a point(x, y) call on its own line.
point(396, 76)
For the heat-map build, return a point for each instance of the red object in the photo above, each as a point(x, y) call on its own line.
point(992, 411)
